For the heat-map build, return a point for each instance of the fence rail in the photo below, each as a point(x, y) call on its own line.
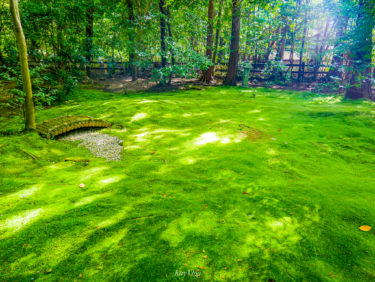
point(300, 71)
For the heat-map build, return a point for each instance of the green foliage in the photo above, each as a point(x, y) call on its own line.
point(48, 86)
point(277, 72)
point(189, 63)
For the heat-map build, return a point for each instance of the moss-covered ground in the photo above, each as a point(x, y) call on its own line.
point(220, 183)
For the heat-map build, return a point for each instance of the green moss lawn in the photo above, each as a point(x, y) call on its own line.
point(214, 183)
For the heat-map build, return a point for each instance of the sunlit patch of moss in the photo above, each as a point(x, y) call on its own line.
point(110, 180)
point(18, 222)
point(138, 116)
point(89, 199)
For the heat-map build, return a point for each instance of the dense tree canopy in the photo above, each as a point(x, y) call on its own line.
point(288, 40)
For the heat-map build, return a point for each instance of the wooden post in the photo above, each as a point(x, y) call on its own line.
point(105, 68)
point(303, 71)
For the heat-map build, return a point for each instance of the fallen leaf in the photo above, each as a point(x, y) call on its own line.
point(153, 153)
point(244, 192)
point(225, 267)
point(80, 275)
point(185, 264)
point(81, 185)
point(239, 260)
point(291, 213)
point(205, 257)
point(203, 251)
point(49, 270)
point(365, 228)
point(205, 205)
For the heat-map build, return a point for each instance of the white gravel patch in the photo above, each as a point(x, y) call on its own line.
point(99, 144)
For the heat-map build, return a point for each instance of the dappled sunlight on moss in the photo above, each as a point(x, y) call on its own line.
point(326, 100)
point(206, 138)
point(20, 194)
point(212, 137)
point(147, 101)
point(18, 222)
point(110, 180)
point(188, 161)
point(132, 147)
point(92, 172)
point(89, 199)
point(254, 112)
point(187, 115)
point(178, 229)
point(168, 115)
point(147, 134)
point(139, 116)
point(271, 152)
point(104, 116)
point(203, 184)
point(60, 165)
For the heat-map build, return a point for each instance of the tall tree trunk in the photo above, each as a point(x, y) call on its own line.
point(1, 58)
point(300, 71)
point(361, 54)
point(282, 43)
point(337, 59)
point(208, 75)
point(89, 35)
point(230, 79)
point(170, 41)
point(221, 52)
point(163, 47)
point(131, 19)
point(22, 52)
point(271, 44)
point(218, 28)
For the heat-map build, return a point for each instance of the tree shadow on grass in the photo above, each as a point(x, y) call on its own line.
point(195, 202)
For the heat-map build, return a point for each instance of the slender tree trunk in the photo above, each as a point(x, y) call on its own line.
point(208, 75)
point(218, 28)
point(271, 45)
point(163, 47)
point(22, 52)
point(282, 43)
point(337, 59)
point(300, 71)
point(170, 41)
point(235, 43)
point(131, 19)
point(362, 52)
point(89, 35)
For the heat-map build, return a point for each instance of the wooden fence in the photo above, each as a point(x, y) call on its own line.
point(298, 71)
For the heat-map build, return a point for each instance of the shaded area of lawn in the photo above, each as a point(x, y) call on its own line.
point(237, 187)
